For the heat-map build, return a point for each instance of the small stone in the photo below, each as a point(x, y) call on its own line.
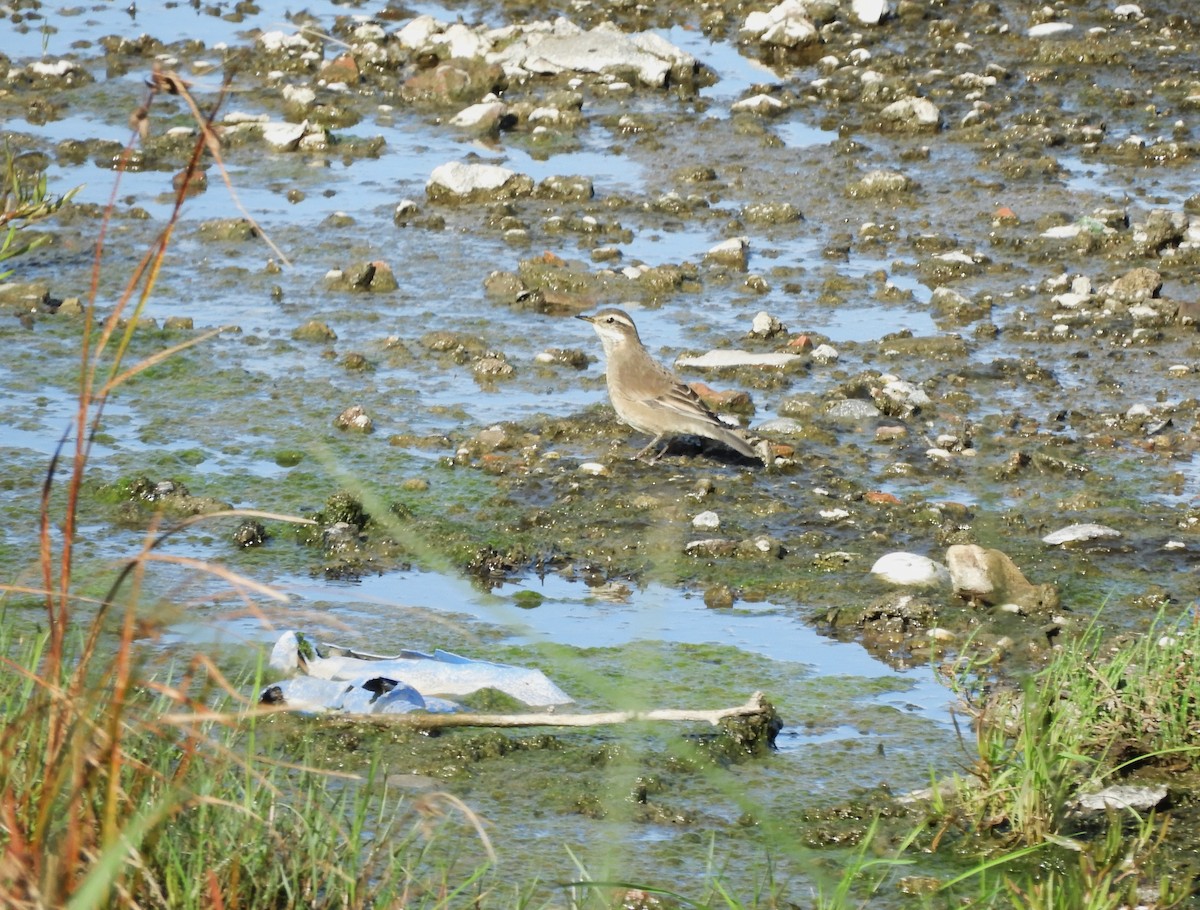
point(766, 325)
point(762, 104)
point(912, 114)
point(1078, 533)
point(911, 570)
point(825, 354)
point(342, 69)
point(467, 182)
point(486, 116)
point(594, 468)
point(880, 183)
point(354, 418)
point(719, 597)
point(1049, 29)
point(706, 521)
point(733, 252)
point(315, 331)
point(284, 137)
point(870, 12)
point(250, 534)
point(711, 547)
point(493, 368)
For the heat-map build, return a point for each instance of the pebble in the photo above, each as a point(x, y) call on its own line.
point(354, 418)
point(595, 469)
point(1049, 29)
point(762, 104)
point(852, 409)
point(870, 12)
point(706, 521)
point(284, 136)
point(911, 570)
point(733, 252)
point(766, 325)
point(485, 114)
point(825, 354)
point(912, 114)
point(1080, 532)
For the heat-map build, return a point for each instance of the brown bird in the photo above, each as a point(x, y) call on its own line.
point(648, 396)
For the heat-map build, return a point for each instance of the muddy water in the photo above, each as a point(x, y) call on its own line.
point(1036, 394)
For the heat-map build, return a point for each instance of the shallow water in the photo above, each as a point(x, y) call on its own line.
point(219, 417)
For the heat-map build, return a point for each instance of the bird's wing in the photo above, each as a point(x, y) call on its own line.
point(683, 399)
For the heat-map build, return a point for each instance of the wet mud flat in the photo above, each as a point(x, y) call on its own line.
point(972, 227)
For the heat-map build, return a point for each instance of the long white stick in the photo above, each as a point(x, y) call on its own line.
point(756, 705)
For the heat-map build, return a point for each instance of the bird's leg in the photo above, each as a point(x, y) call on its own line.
point(653, 442)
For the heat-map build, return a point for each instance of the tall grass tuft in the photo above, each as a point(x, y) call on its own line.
point(119, 788)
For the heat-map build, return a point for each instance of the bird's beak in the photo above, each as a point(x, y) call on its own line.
point(585, 317)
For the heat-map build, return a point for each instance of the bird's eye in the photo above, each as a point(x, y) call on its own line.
point(610, 320)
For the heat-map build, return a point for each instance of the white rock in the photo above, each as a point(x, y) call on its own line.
point(854, 409)
point(825, 353)
point(762, 104)
point(597, 51)
point(595, 468)
point(766, 325)
point(795, 31)
point(57, 68)
point(906, 394)
point(869, 12)
point(369, 31)
point(715, 360)
point(298, 94)
point(463, 179)
point(461, 42)
point(1138, 410)
point(1071, 300)
point(911, 570)
point(237, 118)
point(279, 41)
point(486, 112)
point(1078, 532)
point(284, 136)
point(912, 112)
point(416, 34)
point(730, 252)
point(1049, 29)
point(1128, 11)
point(706, 521)
point(834, 514)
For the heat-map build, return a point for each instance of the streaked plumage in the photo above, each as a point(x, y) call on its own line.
point(648, 396)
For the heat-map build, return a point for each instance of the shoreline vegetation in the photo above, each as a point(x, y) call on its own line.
point(124, 785)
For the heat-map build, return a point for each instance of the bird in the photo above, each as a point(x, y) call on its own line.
point(648, 396)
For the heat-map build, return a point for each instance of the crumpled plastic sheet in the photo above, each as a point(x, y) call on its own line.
point(354, 682)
